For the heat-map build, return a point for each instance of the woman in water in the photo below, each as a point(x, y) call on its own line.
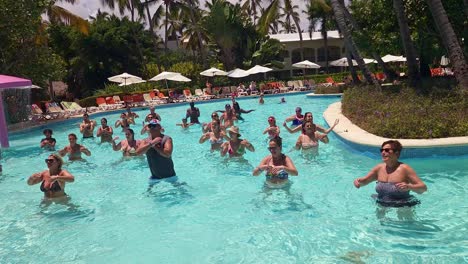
point(309, 117)
point(53, 179)
point(273, 130)
point(228, 117)
point(296, 118)
point(184, 123)
point(74, 150)
point(206, 127)
point(309, 139)
point(129, 145)
point(277, 166)
point(105, 132)
point(122, 122)
point(394, 179)
point(216, 136)
point(236, 146)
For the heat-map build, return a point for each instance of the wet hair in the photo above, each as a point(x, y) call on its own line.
point(304, 125)
point(85, 115)
point(131, 131)
point(72, 135)
point(58, 159)
point(47, 130)
point(184, 119)
point(227, 106)
point(306, 113)
point(278, 141)
point(103, 119)
point(396, 146)
point(192, 104)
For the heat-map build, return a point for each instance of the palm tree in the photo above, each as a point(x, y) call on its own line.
point(147, 4)
point(349, 42)
point(250, 8)
point(450, 41)
point(272, 13)
point(413, 71)
point(133, 6)
point(320, 11)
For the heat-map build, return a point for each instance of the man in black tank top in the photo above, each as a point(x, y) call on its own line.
point(158, 149)
point(194, 113)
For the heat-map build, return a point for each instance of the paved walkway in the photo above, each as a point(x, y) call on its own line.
point(350, 132)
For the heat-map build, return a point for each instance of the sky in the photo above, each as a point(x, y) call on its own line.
point(85, 8)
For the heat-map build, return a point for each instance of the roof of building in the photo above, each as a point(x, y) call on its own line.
point(292, 37)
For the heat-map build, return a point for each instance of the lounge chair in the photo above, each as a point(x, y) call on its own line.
point(101, 103)
point(189, 96)
point(54, 110)
point(138, 100)
point(38, 114)
point(208, 93)
point(128, 100)
point(200, 95)
point(118, 101)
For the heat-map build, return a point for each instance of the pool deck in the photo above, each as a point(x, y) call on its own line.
point(353, 134)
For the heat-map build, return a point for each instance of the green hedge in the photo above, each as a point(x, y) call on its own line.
point(406, 114)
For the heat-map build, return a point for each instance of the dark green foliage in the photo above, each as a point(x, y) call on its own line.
point(405, 114)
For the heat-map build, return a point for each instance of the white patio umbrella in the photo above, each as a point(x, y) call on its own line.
point(237, 73)
point(343, 62)
point(211, 72)
point(444, 61)
point(393, 58)
point(124, 78)
point(306, 65)
point(131, 82)
point(171, 76)
point(258, 69)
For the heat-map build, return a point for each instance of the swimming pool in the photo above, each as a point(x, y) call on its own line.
point(222, 214)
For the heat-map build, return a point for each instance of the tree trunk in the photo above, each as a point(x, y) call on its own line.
point(200, 40)
point(165, 29)
point(151, 27)
point(301, 47)
point(349, 42)
point(325, 43)
point(410, 52)
point(354, 75)
point(450, 41)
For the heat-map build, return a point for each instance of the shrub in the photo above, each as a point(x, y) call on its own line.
point(405, 114)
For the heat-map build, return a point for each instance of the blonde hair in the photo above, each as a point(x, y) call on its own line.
point(58, 158)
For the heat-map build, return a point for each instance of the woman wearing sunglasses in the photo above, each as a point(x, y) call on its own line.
point(394, 179)
point(207, 127)
point(277, 166)
point(236, 146)
point(53, 179)
point(273, 130)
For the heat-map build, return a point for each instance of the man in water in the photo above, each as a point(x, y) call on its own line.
point(194, 113)
point(87, 127)
point(158, 149)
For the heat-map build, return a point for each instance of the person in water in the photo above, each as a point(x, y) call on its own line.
point(310, 138)
point(48, 142)
point(278, 167)
point(238, 110)
point(228, 117)
point(394, 179)
point(260, 100)
point(122, 122)
point(129, 145)
point(215, 136)
point(131, 115)
point(236, 146)
point(273, 130)
point(53, 179)
point(153, 114)
point(296, 119)
point(74, 150)
point(193, 113)
point(158, 149)
point(207, 127)
point(104, 131)
point(309, 117)
point(87, 127)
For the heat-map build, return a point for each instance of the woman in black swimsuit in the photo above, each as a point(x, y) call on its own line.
point(53, 179)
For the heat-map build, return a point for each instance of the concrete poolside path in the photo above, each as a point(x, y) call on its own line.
point(350, 132)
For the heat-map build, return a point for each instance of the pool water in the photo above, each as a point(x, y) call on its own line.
point(218, 212)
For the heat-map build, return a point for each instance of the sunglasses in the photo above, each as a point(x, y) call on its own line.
point(49, 160)
point(386, 150)
point(271, 148)
point(271, 119)
point(153, 126)
point(214, 116)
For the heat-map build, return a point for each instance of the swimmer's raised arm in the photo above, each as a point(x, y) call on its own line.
point(370, 177)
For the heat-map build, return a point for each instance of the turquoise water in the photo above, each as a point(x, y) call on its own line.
point(222, 214)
